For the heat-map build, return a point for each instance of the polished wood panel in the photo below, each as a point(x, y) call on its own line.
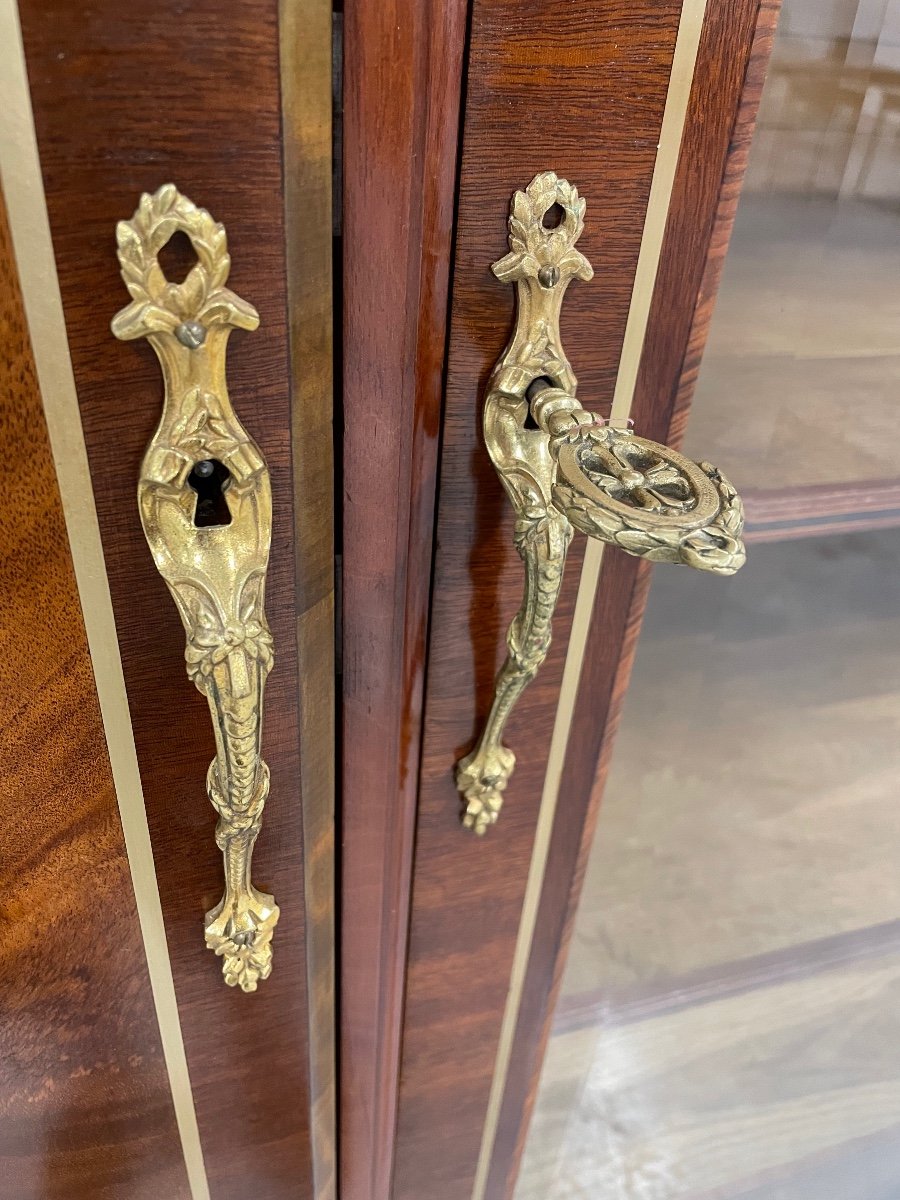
point(85, 1107)
point(126, 98)
point(402, 72)
point(732, 57)
point(580, 89)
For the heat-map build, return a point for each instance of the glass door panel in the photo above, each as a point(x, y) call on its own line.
point(729, 1023)
point(802, 369)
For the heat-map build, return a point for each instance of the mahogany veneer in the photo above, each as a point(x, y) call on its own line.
point(85, 1108)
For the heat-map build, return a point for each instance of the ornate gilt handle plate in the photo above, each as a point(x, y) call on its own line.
point(564, 468)
point(206, 509)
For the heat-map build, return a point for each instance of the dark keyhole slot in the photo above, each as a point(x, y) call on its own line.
point(533, 391)
point(537, 386)
point(210, 479)
point(177, 257)
point(553, 217)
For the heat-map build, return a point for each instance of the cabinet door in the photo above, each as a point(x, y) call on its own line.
point(130, 1068)
point(727, 1022)
point(461, 940)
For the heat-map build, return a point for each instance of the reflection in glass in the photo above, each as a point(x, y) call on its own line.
point(806, 336)
point(729, 1025)
point(730, 1016)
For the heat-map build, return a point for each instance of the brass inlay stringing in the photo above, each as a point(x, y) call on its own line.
point(564, 467)
point(206, 508)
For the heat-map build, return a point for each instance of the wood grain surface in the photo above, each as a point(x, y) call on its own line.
point(85, 1107)
point(579, 89)
point(126, 98)
point(730, 71)
point(402, 73)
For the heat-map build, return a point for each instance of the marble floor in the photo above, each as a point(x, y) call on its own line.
point(730, 1021)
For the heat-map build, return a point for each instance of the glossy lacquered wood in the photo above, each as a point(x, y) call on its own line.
point(402, 78)
point(85, 1105)
point(126, 98)
point(580, 89)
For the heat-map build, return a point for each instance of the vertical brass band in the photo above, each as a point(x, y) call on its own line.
point(306, 70)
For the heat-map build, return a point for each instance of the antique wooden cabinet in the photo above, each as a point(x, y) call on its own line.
point(358, 526)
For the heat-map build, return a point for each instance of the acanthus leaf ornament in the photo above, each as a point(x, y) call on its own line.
point(205, 503)
point(567, 469)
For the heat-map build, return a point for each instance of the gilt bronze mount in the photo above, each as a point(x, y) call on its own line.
point(206, 508)
point(565, 468)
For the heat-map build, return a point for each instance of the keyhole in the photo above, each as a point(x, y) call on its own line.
point(553, 217)
point(532, 392)
point(177, 257)
point(210, 479)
